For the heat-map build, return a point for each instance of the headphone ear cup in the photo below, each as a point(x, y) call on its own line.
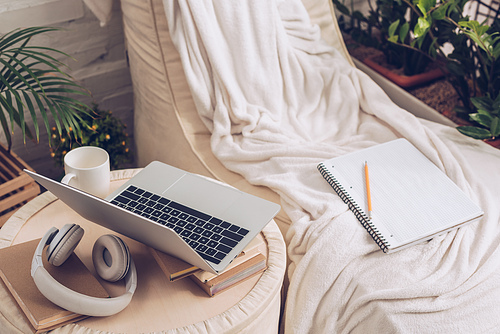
point(111, 257)
point(64, 243)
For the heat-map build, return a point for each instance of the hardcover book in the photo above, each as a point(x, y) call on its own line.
point(230, 276)
point(251, 261)
point(176, 268)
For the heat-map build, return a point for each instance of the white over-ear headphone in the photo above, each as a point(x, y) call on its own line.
point(112, 262)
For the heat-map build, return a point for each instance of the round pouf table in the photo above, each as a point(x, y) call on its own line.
point(158, 305)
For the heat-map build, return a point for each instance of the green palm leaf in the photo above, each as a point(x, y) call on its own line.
point(34, 84)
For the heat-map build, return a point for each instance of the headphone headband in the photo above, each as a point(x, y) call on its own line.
point(80, 303)
point(75, 301)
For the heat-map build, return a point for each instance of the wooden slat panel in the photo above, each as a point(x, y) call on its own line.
point(8, 172)
point(19, 197)
point(8, 166)
point(16, 187)
point(16, 162)
point(9, 213)
point(3, 176)
point(14, 184)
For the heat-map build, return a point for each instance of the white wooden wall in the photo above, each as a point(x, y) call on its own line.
point(100, 66)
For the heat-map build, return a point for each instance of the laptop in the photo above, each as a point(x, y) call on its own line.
point(198, 220)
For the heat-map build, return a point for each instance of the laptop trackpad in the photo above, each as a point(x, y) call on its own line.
point(207, 196)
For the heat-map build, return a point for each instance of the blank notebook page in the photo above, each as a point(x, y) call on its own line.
point(411, 198)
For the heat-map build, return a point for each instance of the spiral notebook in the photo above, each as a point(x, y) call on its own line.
point(412, 199)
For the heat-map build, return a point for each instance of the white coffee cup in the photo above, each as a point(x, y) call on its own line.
point(87, 168)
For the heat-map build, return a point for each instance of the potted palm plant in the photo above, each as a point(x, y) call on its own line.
point(34, 84)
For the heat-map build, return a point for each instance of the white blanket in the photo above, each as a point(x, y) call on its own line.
point(279, 100)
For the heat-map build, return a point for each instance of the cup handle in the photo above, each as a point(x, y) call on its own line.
point(67, 178)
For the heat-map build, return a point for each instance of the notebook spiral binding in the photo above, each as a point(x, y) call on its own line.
point(354, 207)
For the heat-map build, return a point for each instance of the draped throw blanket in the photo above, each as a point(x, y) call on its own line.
point(278, 100)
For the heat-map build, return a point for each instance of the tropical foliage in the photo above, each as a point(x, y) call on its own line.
point(374, 30)
point(473, 65)
point(34, 84)
point(487, 118)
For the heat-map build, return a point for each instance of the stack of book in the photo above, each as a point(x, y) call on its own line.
point(251, 261)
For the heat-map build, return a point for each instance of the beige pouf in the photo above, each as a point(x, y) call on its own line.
point(158, 305)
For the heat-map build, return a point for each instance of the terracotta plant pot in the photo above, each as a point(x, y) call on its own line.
point(404, 81)
point(493, 142)
point(452, 115)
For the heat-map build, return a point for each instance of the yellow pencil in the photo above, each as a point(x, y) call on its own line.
point(368, 195)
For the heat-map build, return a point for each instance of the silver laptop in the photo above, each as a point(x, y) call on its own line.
point(200, 221)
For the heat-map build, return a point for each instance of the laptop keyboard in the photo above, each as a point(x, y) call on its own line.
point(209, 236)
